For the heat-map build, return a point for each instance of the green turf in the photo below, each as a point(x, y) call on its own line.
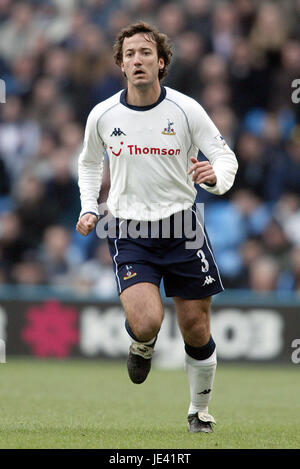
point(92, 404)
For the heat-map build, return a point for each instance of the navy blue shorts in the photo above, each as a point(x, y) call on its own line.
point(176, 249)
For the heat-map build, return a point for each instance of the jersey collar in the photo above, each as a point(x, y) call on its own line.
point(142, 108)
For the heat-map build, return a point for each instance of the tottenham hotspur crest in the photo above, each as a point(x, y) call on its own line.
point(170, 129)
point(129, 272)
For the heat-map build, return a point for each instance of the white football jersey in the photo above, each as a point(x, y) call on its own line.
point(149, 150)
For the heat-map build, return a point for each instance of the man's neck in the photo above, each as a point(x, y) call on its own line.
point(143, 96)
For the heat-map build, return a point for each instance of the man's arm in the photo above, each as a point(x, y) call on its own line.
point(90, 171)
point(217, 174)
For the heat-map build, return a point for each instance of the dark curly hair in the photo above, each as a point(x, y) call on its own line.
point(161, 40)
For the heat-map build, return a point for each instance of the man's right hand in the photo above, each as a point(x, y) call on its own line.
point(86, 224)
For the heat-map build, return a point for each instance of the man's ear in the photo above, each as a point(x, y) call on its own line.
point(161, 63)
point(123, 70)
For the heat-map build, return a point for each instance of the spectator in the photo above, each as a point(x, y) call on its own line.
point(100, 10)
point(252, 210)
point(12, 244)
point(56, 255)
point(19, 137)
point(263, 275)
point(199, 19)
point(269, 34)
point(213, 69)
point(62, 189)
point(21, 79)
point(224, 29)
point(171, 19)
point(4, 180)
point(35, 211)
point(246, 13)
point(96, 275)
point(183, 72)
point(40, 162)
point(70, 137)
point(293, 164)
point(94, 56)
point(251, 250)
point(45, 95)
point(252, 164)
point(57, 66)
point(28, 272)
point(276, 244)
point(145, 9)
point(215, 95)
point(19, 31)
point(249, 79)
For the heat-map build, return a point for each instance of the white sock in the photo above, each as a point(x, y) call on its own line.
point(200, 375)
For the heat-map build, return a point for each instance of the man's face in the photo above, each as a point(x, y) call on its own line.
point(140, 61)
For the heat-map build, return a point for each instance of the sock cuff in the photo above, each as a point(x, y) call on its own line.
point(201, 353)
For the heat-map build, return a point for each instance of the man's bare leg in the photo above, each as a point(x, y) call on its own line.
point(144, 314)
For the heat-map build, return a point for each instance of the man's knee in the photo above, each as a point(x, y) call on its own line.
point(194, 320)
point(144, 310)
point(197, 325)
point(144, 329)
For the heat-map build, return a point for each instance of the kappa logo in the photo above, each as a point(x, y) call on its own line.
point(169, 130)
point(208, 280)
point(117, 132)
point(130, 272)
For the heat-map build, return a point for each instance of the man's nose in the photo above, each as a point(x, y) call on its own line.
point(137, 59)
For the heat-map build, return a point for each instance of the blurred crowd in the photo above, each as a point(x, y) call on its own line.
point(237, 58)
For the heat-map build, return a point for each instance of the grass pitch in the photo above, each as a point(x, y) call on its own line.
point(92, 404)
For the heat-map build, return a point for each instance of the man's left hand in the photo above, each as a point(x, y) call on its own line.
point(202, 172)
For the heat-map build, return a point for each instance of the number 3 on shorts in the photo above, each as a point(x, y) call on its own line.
point(205, 264)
